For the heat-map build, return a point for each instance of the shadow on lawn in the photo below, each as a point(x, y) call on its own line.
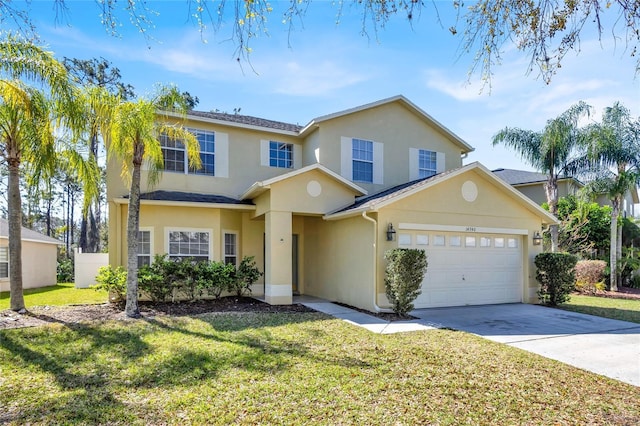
point(612, 313)
point(84, 380)
point(90, 363)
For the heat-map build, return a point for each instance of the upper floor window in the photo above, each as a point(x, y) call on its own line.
point(426, 163)
point(4, 262)
point(175, 158)
point(281, 155)
point(362, 160)
point(362, 157)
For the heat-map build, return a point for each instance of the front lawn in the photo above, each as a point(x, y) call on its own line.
point(289, 368)
point(620, 309)
point(57, 295)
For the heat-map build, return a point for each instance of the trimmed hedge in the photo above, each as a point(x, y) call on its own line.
point(557, 277)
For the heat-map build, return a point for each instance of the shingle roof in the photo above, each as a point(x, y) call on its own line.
point(27, 234)
point(521, 177)
point(190, 197)
point(247, 120)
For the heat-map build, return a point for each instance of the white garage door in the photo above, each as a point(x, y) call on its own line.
point(468, 269)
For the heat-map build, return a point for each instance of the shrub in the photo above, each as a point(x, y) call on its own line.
point(557, 277)
point(114, 281)
point(64, 271)
point(213, 278)
point(590, 276)
point(152, 282)
point(403, 276)
point(247, 274)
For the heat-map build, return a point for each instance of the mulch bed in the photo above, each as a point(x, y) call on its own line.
point(622, 293)
point(41, 315)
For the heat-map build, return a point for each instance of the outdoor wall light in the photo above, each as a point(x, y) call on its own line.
point(537, 238)
point(390, 232)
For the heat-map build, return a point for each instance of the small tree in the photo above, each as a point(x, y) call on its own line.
point(557, 277)
point(403, 275)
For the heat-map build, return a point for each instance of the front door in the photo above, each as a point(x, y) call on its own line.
point(294, 264)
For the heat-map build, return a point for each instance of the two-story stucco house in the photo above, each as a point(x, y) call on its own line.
point(532, 184)
point(319, 205)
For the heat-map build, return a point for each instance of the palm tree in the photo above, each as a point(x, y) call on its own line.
point(549, 151)
point(26, 130)
point(132, 138)
point(614, 156)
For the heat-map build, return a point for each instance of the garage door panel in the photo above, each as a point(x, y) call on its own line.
point(471, 275)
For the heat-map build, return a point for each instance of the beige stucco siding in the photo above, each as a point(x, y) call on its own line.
point(536, 193)
point(244, 165)
point(444, 205)
point(313, 192)
point(338, 260)
point(397, 128)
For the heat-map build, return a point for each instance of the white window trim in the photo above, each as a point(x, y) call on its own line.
point(220, 156)
point(346, 159)
point(7, 262)
point(169, 229)
point(265, 156)
point(414, 162)
point(223, 246)
point(151, 252)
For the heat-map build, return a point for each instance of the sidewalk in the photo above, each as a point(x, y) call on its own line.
point(369, 322)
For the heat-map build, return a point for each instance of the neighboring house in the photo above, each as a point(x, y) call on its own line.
point(39, 258)
point(532, 184)
point(314, 204)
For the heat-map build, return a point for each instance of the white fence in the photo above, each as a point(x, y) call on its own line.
point(86, 267)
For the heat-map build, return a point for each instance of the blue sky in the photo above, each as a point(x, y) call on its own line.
point(321, 68)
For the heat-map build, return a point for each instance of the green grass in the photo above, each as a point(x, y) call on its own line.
point(620, 309)
point(57, 295)
point(296, 368)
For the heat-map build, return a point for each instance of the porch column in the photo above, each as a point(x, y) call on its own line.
point(277, 275)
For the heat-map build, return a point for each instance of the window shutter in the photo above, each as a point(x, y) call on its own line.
point(346, 158)
point(414, 163)
point(440, 162)
point(378, 163)
point(264, 152)
point(297, 156)
point(222, 155)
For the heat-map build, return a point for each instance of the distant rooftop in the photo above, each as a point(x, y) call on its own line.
point(27, 234)
point(522, 177)
point(247, 120)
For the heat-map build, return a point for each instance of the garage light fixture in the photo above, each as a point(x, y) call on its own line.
point(391, 233)
point(537, 238)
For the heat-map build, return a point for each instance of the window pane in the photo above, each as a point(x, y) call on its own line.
point(498, 242)
point(426, 163)
point(189, 244)
point(512, 243)
point(438, 240)
point(470, 241)
point(281, 155)
point(485, 242)
point(422, 240)
point(455, 241)
point(404, 239)
point(4, 254)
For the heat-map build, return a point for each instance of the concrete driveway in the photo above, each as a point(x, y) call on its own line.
point(603, 346)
